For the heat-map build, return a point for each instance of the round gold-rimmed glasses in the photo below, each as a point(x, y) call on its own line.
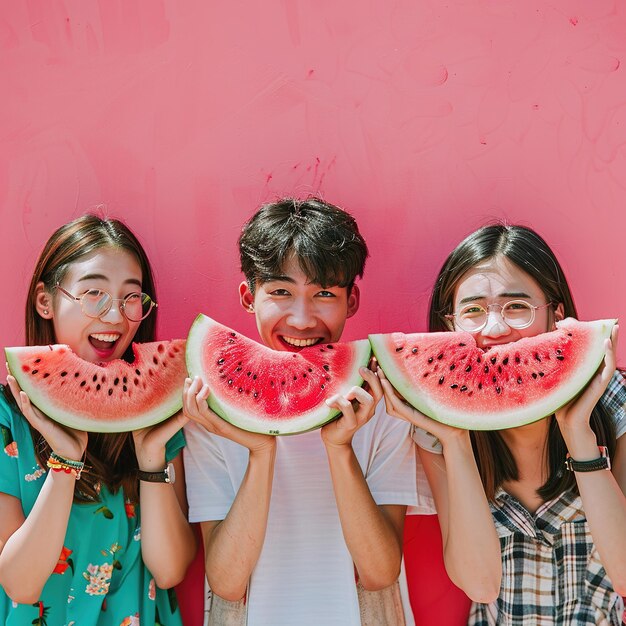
point(517, 314)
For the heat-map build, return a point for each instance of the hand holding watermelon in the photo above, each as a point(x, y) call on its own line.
point(67, 442)
point(150, 441)
point(573, 417)
point(195, 407)
point(357, 408)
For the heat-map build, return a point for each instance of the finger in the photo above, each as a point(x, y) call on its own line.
point(348, 419)
point(375, 389)
point(364, 402)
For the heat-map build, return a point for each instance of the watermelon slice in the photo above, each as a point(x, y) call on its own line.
point(108, 397)
point(268, 391)
point(449, 378)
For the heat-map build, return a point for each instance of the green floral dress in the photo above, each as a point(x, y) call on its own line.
point(100, 579)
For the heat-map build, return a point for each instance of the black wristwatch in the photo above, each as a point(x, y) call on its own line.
point(601, 463)
point(168, 475)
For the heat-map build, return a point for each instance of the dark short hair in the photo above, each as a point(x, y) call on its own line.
point(324, 238)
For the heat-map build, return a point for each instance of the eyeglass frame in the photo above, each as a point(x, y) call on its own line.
point(122, 306)
point(533, 310)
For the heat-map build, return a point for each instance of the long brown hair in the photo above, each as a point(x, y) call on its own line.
point(528, 251)
point(110, 458)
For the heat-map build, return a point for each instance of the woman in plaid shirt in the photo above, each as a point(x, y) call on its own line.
point(547, 545)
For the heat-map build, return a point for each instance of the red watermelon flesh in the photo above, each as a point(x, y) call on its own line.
point(102, 397)
point(449, 378)
point(269, 391)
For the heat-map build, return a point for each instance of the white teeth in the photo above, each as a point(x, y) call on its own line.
point(111, 337)
point(301, 343)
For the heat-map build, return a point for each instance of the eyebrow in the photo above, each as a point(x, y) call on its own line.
point(130, 281)
point(276, 279)
point(506, 294)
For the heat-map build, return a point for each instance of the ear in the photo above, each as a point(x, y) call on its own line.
point(246, 297)
point(559, 313)
point(43, 301)
point(354, 299)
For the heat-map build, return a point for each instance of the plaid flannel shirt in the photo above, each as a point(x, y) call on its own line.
point(551, 570)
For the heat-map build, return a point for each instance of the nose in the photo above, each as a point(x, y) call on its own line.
point(301, 315)
point(114, 315)
point(495, 326)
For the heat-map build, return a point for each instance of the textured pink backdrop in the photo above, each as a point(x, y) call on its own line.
point(423, 118)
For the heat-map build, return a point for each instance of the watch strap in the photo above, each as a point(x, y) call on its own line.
point(603, 462)
point(161, 476)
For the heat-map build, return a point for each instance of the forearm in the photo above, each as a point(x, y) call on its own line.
point(31, 553)
point(233, 546)
point(372, 540)
point(168, 543)
point(604, 504)
point(472, 553)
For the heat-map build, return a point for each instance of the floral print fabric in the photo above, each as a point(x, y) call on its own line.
point(100, 578)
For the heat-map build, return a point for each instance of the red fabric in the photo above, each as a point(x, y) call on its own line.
point(434, 598)
point(190, 592)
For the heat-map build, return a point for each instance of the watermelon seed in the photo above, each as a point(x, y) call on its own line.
point(160, 347)
point(321, 349)
point(470, 393)
point(238, 369)
point(463, 388)
point(478, 359)
point(110, 391)
point(303, 375)
point(124, 380)
point(155, 360)
point(95, 378)
point(534, 375)
point(254, 377)
point(461, 345)
point(256, 394)
point(569, 334)
point(505, 360)
point(230, 381)
point(310, 370)
point(519, 380)
point(453, 386)
point(468, 368)
point(98, 387)
point(441, 380)
point(425, 375)
point(240, 389)
point(499, 369)
point(452, 367)
point(560, 358)
point(517, 359)
point(136, 381)
point(493, 360)
point(63, 373)
point(295, 378)
point(248, 373)
point(331, 347)
point(400, 349)
point(103, 377)
point(125, 388)
point(498, 390)
point(486, 369)
point(150, 372)
point(322, 386)
point(326, 367)
point(223, 375)
point(83, 383)
point(414, 351)
point(46, 375)
point(138, 372)
point(541, 374)
point(233, 334)
point(282, 382)
point(37, 360)
point(430, 360)
point(76, 374)
point(494, 379)
point(327, 377)
point(116, 381)
point(559, 351)
point(480, 385)
point(272, 383)
point(220, 361)
point(537, 357)
point(231, 341)
point(294, 355)
point(440, 356)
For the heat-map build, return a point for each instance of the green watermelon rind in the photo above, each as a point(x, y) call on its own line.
point(316, 418)
point(89, 420)
point(462, 418)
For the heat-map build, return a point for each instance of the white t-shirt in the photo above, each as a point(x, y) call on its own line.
point(305, 572)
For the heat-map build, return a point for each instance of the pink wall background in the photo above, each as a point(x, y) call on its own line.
point(422, 118)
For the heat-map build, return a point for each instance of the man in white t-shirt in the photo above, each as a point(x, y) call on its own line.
point(290, 524)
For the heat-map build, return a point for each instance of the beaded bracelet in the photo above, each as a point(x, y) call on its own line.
point(57, 463)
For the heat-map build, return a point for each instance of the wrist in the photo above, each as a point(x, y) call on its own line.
point(583, 446)
point(152, 463)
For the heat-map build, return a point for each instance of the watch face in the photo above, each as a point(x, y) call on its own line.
point(170, 472)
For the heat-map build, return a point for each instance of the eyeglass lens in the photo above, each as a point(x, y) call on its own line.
point(517, 314)
point(135, 306)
